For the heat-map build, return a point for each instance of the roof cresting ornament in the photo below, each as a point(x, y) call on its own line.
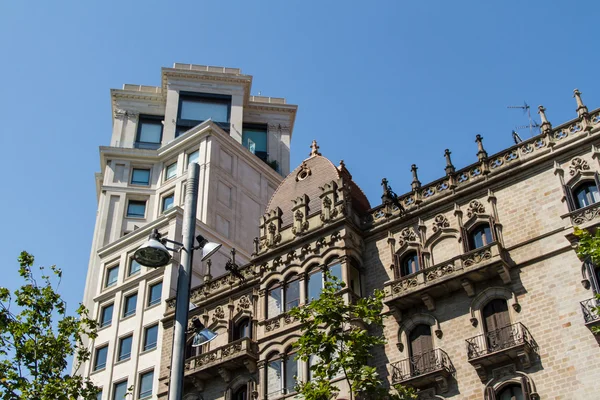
point(314, 149)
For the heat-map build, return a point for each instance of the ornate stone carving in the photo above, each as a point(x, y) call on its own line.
point(585, 215)
point(475, 208)
point(304, 172)
point(439, 272)
point(407, 235)
point(404, 285)
point(272, 324)
point(578, 165)
point(244, 303)
point(440, 222)
point(219, 314)
point(477, 257)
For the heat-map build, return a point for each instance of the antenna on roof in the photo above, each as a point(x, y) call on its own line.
point(532, 124)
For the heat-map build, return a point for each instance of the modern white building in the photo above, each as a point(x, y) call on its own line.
point(199, 114)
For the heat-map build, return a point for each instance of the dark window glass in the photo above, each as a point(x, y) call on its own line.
point(140, 176)
point(120, 390)
point(241, 393)
point(130, 304)
point(146, 381)
point(409, 264)
point(511, 392)
point(150, 337)
point(136, 208)
point(292, 295)
point(134, 267)
point(100, 358)
point(106, 315)
point(254, 138)
point(586, 194)
point(168, 202)
point(291, 373)
point(315, 285)
point(112, 274)
point(155, 293)
point(195, 109)
point(242, 329)
point(149, 133)
point(125, 348)
point(480, 236)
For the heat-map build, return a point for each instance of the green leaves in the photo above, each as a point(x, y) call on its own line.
point(38, 337)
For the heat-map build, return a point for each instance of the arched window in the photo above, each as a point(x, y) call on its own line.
point(586, 194)
point(409, 264)
point(510, 392)
point(290, 372)
point(480, 236)
point(274, 300)
point(282, 374)
point(242, 329)
point(241, 393)
point(421, 346)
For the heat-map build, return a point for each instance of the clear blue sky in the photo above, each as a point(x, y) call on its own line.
point(379, 84)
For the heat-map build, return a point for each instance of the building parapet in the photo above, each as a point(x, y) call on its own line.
point(207, 68)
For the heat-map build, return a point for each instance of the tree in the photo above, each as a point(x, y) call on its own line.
point(588, 248)
point(34, 348)
point(342, 336)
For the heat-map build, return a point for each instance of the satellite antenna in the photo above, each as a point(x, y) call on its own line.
point(532, 124)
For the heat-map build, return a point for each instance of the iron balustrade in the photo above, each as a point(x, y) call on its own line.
point(421, 364)
point(589, 310)
point(500, 339)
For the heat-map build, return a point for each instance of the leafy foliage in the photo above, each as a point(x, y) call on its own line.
point(589, 248)
point(339, 334)
point(33, 348)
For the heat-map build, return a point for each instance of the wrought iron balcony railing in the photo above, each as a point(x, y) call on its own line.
point(421, 364)
point(589, 310)
point(510, 336)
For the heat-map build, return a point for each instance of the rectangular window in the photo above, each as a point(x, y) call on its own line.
point(196, 108)
point(274, 302)
point(125, 348)
point(140, 176)
point(171, 171)
point(154, 294)
point(193, 157)
point(106, 315)
point(291, 372)
point(134, 267)
point(315, 285)
point(168, 202)
point(336, 271)
point(149, 133)
point(112, 274)
point(120, 391)
point(136, 208)
point(146, 381)
point(292, 295)
point(100, 358)
point(150, 337)
point(130, 304)
point(274, 381)
point(254, 138)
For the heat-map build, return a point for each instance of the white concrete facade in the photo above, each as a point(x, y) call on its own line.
point(235, 186)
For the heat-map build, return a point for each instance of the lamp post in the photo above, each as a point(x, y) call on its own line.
point(155, 254)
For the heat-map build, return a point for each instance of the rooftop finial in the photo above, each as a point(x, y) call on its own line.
point(546, 126)
point(581, 108)
point(415, 184)
point(449, 167)
point(481, 153)
point(314, 149)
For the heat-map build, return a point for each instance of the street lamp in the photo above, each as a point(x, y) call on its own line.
point(154, 253)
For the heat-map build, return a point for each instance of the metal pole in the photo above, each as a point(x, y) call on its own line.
point(183, 284)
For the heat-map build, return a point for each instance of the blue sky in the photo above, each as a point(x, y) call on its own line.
point(379, 84)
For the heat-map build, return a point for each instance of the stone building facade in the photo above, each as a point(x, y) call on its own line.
point(485, 296)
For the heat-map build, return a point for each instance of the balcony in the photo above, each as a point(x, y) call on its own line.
point(511, 343)
point(222, 360)
point(424, 370)
point(590, 315)
point(460, 272)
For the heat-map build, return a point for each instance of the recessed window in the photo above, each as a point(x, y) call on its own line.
point(154, 294)
point(336, 271)
point(194, 157)
point(409, 264)
point(171, 171)
point(134, 267)
point(100, 358)
point(106, 314)
point(149, 133)
point(195, 108)
point(510, 392)
point(586, 194)
point(292, 295)
point(120, 390)
point(315, 285)
point(254, 138)
point(146, 382)
point(140, 176)
point(274, 301)
point(136, 208)
point(129, 305)
point(242, 329)
point(480, 236)
point(112, 274)
point(168, 202)
point(125, 348)
point(290, 372)
point(150, 337)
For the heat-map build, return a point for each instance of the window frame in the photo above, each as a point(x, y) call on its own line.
point(145, 347)
point(162, 202)
point(236, 335)
point(264, 155)
point(184, 125)
point(404, 258)
point(130, 263)
point(167, 166)
point(149, 302)
point(141, 376)
point(476, 228)
point(95, 364)
point(107, 272)
point(124, 313)
point(187, 157)
point(127, 356)
point(136, 216)
point(133, 169)
point(118, 383)
point(150, 119)
point(585, 185)
point(101, 322)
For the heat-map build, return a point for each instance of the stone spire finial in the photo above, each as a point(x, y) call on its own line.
point(449, 167)
point(415, 184)
point(546, 126)
point(481, 153)
point(384, 185)
point(314, 149)
point(581, 108)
